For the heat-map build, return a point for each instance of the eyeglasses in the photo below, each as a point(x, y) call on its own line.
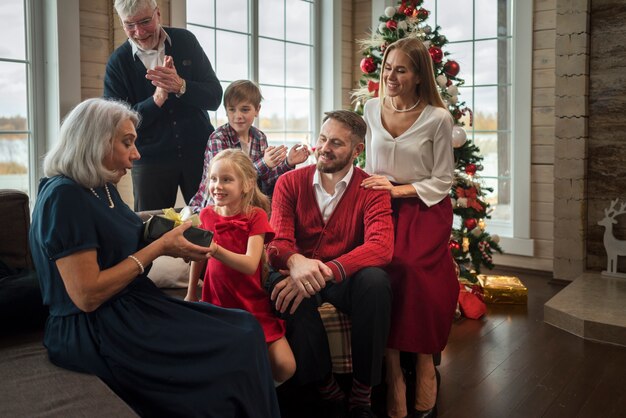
point(143, 23)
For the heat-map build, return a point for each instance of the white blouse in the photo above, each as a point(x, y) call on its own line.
point(421, 156)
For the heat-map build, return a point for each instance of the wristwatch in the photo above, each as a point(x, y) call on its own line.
point(183, 88)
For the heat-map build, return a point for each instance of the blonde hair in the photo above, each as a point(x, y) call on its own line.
point(247, 172)
point(85, 139)
point(423, 66)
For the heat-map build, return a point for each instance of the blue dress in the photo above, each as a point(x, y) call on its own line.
point(161, 355)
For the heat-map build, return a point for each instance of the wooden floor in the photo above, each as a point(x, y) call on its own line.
point(512, 364)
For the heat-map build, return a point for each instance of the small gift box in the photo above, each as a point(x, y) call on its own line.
point(503, 289)
point(158, 225)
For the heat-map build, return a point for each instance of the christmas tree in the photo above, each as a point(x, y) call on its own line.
point(471, 245)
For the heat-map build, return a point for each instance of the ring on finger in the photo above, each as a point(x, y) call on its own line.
point(307, 284)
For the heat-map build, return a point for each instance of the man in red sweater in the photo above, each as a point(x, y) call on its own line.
point(332, 238)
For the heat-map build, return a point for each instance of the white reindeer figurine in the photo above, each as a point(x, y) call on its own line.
point(613, 246)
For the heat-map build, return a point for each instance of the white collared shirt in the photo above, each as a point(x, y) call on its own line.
point(151, 57)
point(328, 202)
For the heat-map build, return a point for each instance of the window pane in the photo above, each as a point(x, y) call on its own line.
point(272, 18)
point(485, 108)
point(298, 65)
point(486, 62)
point(201, 12)
point(13, 155)
point(276, 138)
point(299, 21)
point(231, 62)
point(486, 18)
point(501, 210)
point(13, 100)
point(12, 30)
point(271, 61)
point(206, 37)
point(272, 114)
point(298, 109)
point(455, 19)
point(462, 53)
point(232, 14)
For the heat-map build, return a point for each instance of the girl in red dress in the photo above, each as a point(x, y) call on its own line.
point(233, 274)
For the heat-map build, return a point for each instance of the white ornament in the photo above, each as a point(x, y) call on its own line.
point(402, 25)
point(614, 247)
point(427, 29)
point(476, 232)
point(390, 11)
point(442, 80)
point(382, 27)
point(453, 100)
point(452, 90)
point(427, 44)
point(458, 136)
point(495, 238)
point(462, 202)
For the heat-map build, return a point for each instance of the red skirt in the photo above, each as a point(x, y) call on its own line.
point(423, 280)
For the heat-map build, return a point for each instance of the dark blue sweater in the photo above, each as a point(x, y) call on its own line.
point(181, 127)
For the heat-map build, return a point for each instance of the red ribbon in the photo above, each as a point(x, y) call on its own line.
point(227, 225)
point(471, 195)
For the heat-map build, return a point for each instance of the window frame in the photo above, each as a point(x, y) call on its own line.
point(515, 234)
point(179, 18)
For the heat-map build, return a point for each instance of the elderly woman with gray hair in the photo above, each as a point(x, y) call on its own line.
point(163, 356)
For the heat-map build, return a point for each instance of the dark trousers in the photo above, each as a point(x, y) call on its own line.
point(155, 185)
point(366, 298)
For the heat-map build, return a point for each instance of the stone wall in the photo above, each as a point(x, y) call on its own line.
point(606, 167)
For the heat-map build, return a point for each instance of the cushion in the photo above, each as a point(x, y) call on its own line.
point(31, 386)
point(169, 272)
point(21, 307)
point(338, 327)
point(14, 224)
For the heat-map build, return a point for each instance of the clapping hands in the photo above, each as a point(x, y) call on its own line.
point(295, 155)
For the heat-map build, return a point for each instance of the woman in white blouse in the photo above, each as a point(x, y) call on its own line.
point(409, 152)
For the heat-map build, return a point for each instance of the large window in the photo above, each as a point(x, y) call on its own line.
point(270, 42)
point(490, 40)
point(15, 69)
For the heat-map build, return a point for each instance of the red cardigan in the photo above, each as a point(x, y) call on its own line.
point(358, 234)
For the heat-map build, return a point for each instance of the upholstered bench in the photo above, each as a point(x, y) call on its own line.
point(31, 386)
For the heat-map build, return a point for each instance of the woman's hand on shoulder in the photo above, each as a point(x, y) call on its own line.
point(176, 245)
point(377, 182)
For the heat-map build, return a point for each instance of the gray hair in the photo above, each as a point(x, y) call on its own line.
point(126, 8)
point(85, 139)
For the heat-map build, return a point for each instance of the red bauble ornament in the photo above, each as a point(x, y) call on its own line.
point(436, 54)
point(451, 68)
point(422, 14)
point(454, 245)
point(392, 24)
point(471, 223)
point(471, 169)
point(368, 65)
point(408, 11)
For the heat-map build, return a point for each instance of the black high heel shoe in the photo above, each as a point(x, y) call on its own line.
point(432, 412)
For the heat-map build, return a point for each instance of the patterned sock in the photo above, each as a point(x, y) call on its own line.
point(360, 395)
point(329, 390)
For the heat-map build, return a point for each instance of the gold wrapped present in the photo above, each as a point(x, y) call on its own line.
point(503, 289)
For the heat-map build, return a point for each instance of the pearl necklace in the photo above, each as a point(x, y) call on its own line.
point(403, 110)
point(106, 188)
